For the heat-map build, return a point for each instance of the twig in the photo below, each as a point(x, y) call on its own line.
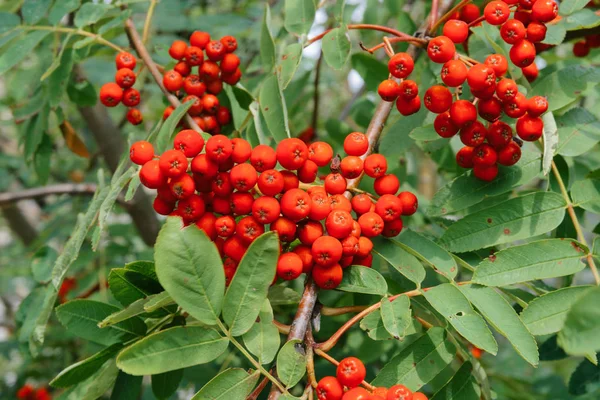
point(148, 22)
point(87, 189)
point(310, 362)
point(576, 225)
point(330, 311)
point(448, 14)
point(282, 328)
point(315, 115)
point(74, 31)
point(372, 27)
point(261, 386)
point(136, 42)
point(434, 13)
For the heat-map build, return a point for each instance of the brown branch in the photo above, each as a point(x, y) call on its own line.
point(261, 386)
point(372, 27)
point(331, 312)
point(86, 189)
point(18, 223)
point(282, 328)
point(315, 114)
point(138, 45)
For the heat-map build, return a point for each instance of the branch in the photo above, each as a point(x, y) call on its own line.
point(86, 189)
point(18, 223)
point(372, 27)
point(74, 31)
point(138, 45)
point(147, 23)
point(315, 115)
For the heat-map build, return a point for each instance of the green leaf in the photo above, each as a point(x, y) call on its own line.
point(171, 349)
point(550, 351)
point(145, 268)
point(168, 127)
point(272, 106)
point(373, 325)
point(550, 137)
point(500, 314)
point(134, 183)
point(8, 21)
point(396, 315)
point(263, 339)
point(585, 379)
point(83, 369)
point(61, 8)
point(116, 22)
point(291, 363)
point(555, 34)
point(190, 269)
point(42, 157)
point(515, 219)
point(231, 384)
point(448, 300)
point(565, 85)
point(546, 314)
point(128, 286)
point(90, 13)
point(462, 386)
point(57, 63)
point(161, 300)
point(42, 262)
point(586, 194)
point(280, 295)
point(81, 317)
point(299, 16)
point(570, 6)
point(127, 387)
point(20, 49)
point(582, 19)
point(36, 133)
point(132, 310)
point(579, 335)
point(250, 284)
point(541, 259)
point(578, 131)
point(370, 69)
point(401, 260)
point(82, 93)
point(336, 47)
point(429, 252)
point(466, 191)
point(267, 45)
point(427, 138)
point(418, 363)
point(95, 386)
point(34, 10)
point(165, 385)
point(288, 64)
point(358, 279)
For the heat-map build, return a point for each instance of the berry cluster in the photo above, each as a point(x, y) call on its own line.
point(350, 374)
point(233, 192)
point(488, 145)
point(28, 392)
point(221, 66)
point(121, 90)
point(583, 47)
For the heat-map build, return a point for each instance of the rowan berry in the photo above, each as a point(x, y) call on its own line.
point(409, 202)
point(111, 94)
point(290, 180)
point(513, 31)
point(221, 204)
point(131, 97)
point(371, 224)
point(454, 73)
point(522, 54)
point(134, 116)
point(309, 231)
point(510, 154)
point(183, 68)
point(444, 126)
point(221, 185)
point(456, 30)
point(164, 192)
point(232, 79)
point(481, 76)
point(349, 246)
point(335, 184)
point(320, 153)
point(326, 251)
point(229, 269)
point(490, 109)
point(473, 134)
point(408, 89)
point(230, 43)
point(329, 388)
point(357, 393)
point(266, 209)
point(248, 229)
point(295, 204)
point(210, 103)
point(365, 246)
point(387, 184)
point(308, 172)
point(485, 173)
point(399, 392)
point(167, 112)
point(536, 106)
point(499, 134)
point(306, 256)
point(218, 148)
point(191, 208)
point(204, 166)
point(163, 207)
point(199, 39)
point(498, 63)
point(125, 78)
point(469, 13)
point(289, 266)
point(285, 228)
point(194, 86)
point(215, 51)
point(328, 278)
point(438, 99)
point(183, 186)
point(234, 248)
point(351, 372)
point(263, 158)
point(464, 157)
point(173, 163)
point(388, 207)
point(177, 49)
point(351, 167)
point(517, 107)
point(441, 49)
point(388, 90)
point(544, 10)
point(506, 89)
point(390, 229)
point(339, 224)
point(125, 60)
point(401, 65)
point(530, 128)
point(230, 63)
point(209, 70)
point(172, 81)
point(361, 203)
point(189, 142)
point(496, 12)
point(226, 226)
point(484, 155)
point(243, 177)
point(292, 153)
point(462, 113)
point(381, 392)
point(141, 152)
point(340, 202)
point(375, 165)
point(408, 107)
point(320, 206)
point(241, 203)
point(346, 261)
point(536, 32)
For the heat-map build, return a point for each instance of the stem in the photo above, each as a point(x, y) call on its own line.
point(147, 23)
point(335, 362)
point(74, 31)
point(315, 115)
point(35, 193)
point(413, 40)
point(372, 27)
point(434, 13)
point(250, 358)
point(261, 386)
point(447, 16)
point(310, 361)
point(571, 210)
point(476, 21)
point(331, 312)
point(282, 328)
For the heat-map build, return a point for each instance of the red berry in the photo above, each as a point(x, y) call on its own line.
point(177, 49)
point(191, 208)
point(356, 144)
point(408, 107)
point(230, 43)
point(490, 109)
point(544, 10)
point(454, 73)
point(163, 207)
point(243, 177)
point(199, 39)
point(204, 166)
point(351, 372)
point(125, 78)
point(387, 184)
point(339, 224)
point(388, 90)
point(498, 63)
point(441, 49)
point(361, 203)
point(172, 81)
point(182, 187)
point(320, 206)
point(388, 207)
point(444, 126)
point(464, 157)
point(496, 12)
point(329, 388)
point(536, 32)
point(111, 94)
point(484, 155)
point(513, 31)
point(209, 70)
point(289, 266)
point(371, 224)
point(469, 13)
point(335, 184)
point(292, 153)
point(320, 153)
point(225, 227)
point(536, 106)
point(581, 49)
point(506, 89)
point(189, 142)
point(485, 173)
point(310, 231)
point(530, 128)
point(473, 134)
point(462, 112)
point(141, 152)
point(522, 54)
point(328, 278)
point(230, 63)
point(456, 30)
point(134, 116)
point(248, 229)
point(409, 201)
point(408, 89)
point(219, 148)
point(516, 107)
point(499, 134)
point(399, 392)
point(438, 99)
point(351, 167)
point(173, 163)
point(263, 157)
point(295, 204)
point(375, 165)
point(131, 97)
point(401, 65)
point(510, 154)
point(326, 251)
point(481, 76)
point(125, 60)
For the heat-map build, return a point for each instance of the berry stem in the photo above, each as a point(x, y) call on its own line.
point(434, 13)
point(476, 21)
point(372, 27)
point(148, 22)
point(261, 386)
point(335, 362)
point(310, 362)
point(448, 14)
point(383, 44)
point(74, 31)
point(576, 225)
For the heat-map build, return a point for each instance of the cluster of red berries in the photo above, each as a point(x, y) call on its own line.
point(583, 47)
point(234, 192)
point(203, 85)
point(485, 146)
point(345, 385)
point(28, 392)
point(121, 90)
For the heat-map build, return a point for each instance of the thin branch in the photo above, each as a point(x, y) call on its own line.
point(372, 27)
point(282, 328)
point(77, 189)
point(74, 31)
point(331, 312)
point(148, 22)
point(448, 14)
point(434, 13)
point(261, 386)
point(315, 114)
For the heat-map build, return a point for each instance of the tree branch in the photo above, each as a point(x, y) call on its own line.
point(86, 189)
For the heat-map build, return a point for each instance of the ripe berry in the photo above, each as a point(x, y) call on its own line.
point(225, 226)
point(163, 207)
point(329, 388)
point(381, 392)
point(498, 63)
point(326, 251)
point(306, 256)
point(357, 393)
point(481, 76)
point(285, 228)
point(408, 107)
point(111, 94)
point(230, 43)
point(263, 157)
point(388, 207)
point(204, 166)
point(172, 81)
point(295, 204)
point(199, 39)
point(232, 79)
point(536, 32)
point(335, 184)
point(191, 208)
point(351, 167)
point(241, 203)
point(289, 266)
point(462, 112)
point(292, 153)
point(328, 278)
point(290, 180)
point(365, 245)
point(320, 153)
point(544, 10)
point(530, 72)
point(125, 60)
point(390, 229)
point(473, 134)
point(399, 392)
point(441, 49)
point(408, 89)
point(485, 173)
point(215, 50)
point(339, 224)
point(207, 223)
point(444, 126)
point(496, 12)
point(388, 90)
point(189, 142)
point(248, 229)
point(506, 89)
point(410, 203)
point(173, 163)
point(516, 107)
point(167, 112)
point(530, 128)
point(490, 109)
point(361, 203)
point(356, 144)
point(522, 54)
point(183, 68)
point(499, 134)
point(308, 171)
point(194, 86)
point(375, 165)
point(234, 248)
point(218, 148)
point(484, 155)
point(177, 49)
point(125, 78)
point(134, 116)
point(141, 152)
point(243, 177)
point(320, 206)
point(510, 154)
point(454, 73)
point(265, 209)
point(469, 13)
point(351, 372)
point(339, 202)
point(513, 31)
point(209, 70)
point(387, 184)
point(221, 184)
point(349, 247)
point(309, 231)
point(401, 65)
point(270, 182)
point(131, 97)
point(437, 99)
point(581, 49)
point(419, 396)
point(371, 224)
point(230, 63)
point(536, 106)
point(210, 103)
point(464, 157)
point(456, 30)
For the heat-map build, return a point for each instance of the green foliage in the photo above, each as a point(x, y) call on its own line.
point(291, 363)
